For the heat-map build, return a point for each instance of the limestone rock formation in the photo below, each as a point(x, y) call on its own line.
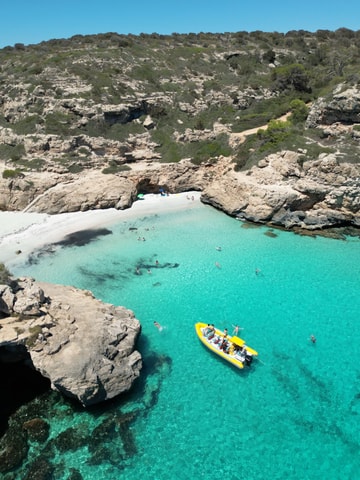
point(343, 107)
point(88, 191)
point(85, 347)
point(287, 188)
point(282, 192)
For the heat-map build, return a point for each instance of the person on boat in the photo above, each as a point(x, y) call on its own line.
point(224, 343)
point(226, 348)
point(158, 326)
point(211, 332)
point(207, 330)
point(225, 332)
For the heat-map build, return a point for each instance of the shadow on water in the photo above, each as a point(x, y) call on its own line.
point(97, 276)
point(83, 237)
point(19, 385)
point(159, 265)
point(244, 372)
point(35, 258)
point(329, 415)
point(76, 239)
point(106, 430)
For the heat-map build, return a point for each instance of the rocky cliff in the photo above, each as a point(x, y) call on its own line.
point(281, 190)
point(84, 347)
point(288, 188)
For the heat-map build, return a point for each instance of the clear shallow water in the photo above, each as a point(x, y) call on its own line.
point(294, 414)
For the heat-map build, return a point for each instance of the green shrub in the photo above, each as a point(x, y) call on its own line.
point(12, 152)
point(27, 125)
point(206, 151)
point(299, 111)
point(292, 76)
point(5, 275)
point(12, 173)
point(275, 134)
point(115, 168)
point(169, 149)
point(145, 73)
point(75, 168)
point(121, 132)
point(34, 331)
point(58, 123)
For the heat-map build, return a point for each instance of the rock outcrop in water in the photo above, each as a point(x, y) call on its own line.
point(84, 346)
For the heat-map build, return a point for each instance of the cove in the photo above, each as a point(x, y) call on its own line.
point(294, 414)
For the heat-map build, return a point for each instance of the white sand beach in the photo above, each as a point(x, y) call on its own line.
point(23, 233)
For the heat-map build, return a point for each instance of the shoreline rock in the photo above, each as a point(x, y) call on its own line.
point(279, 192)
point(86, 348)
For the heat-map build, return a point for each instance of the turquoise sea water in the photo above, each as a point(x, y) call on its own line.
point(294, 414)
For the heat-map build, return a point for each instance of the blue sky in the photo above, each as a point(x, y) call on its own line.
point(32, 21)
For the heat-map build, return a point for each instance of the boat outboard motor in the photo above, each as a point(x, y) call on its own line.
point(248, 359)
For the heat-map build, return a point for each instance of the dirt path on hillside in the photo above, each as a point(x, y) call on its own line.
point(237, 139)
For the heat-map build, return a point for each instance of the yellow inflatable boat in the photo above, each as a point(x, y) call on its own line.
point(232, 349)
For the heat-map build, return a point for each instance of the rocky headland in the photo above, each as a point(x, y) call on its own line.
point(84, 347)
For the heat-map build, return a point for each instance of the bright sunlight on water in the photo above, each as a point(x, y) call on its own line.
point(293, 414)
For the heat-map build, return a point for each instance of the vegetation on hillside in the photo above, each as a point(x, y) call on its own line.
point(241, 80)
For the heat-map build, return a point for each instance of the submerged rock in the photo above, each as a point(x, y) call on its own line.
point(13, 449)
point(37, 429)
point(84, 346)
point(40, 469)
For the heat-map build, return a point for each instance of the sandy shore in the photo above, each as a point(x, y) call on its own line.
point(23, 233)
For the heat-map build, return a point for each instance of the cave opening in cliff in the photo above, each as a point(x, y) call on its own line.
point(20, 382)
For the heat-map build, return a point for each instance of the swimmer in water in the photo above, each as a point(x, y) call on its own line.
point(236, 329)
point(312, 338)
point(158, 326)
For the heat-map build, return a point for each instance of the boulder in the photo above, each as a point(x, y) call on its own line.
point(7, 299)
point(29, 299)
point(91, 190)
